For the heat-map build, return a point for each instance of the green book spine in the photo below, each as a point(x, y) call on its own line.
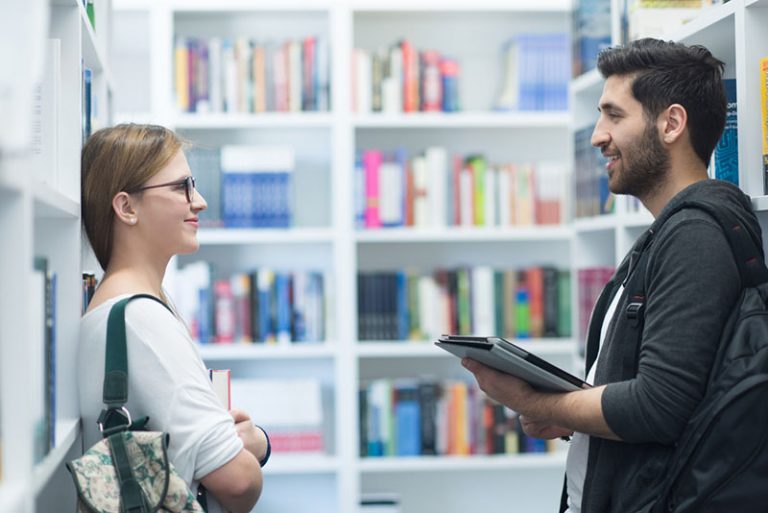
point(564, 303)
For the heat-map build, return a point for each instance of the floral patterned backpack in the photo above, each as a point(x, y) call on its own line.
point(128, 470)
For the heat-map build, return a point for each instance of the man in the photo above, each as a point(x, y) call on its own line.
point(662, 112)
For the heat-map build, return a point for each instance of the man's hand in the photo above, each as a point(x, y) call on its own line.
point(510, 391)
point(253, 438)
point(543, 430)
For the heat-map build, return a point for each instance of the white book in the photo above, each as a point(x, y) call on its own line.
point(363, 86)
point(215, 77)
point(392, 86)
point(45, 117)
point(421, 192)
point(437, 164)
point(229, 65)
point(428, 307)
point(294, 76)
point(391, 193)
point(483, 314)
point(280, 403)
point(466, 197)
point(221, 384)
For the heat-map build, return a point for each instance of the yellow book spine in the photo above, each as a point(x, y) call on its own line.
point(764, 120)
point(182, 75)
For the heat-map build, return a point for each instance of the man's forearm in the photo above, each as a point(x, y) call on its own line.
point(580, 411)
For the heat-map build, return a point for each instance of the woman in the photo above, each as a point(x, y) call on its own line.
point(140, 208)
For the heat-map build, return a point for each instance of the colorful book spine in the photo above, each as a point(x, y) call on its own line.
point(764, 120)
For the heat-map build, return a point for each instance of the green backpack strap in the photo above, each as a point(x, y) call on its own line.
point(115, 392)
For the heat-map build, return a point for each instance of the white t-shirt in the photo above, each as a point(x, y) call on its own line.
point(578, 452)
point(167, 381)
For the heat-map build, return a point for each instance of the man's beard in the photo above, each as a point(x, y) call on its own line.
point(644, 166)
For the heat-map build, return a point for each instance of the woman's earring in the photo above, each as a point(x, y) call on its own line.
point(133, 220)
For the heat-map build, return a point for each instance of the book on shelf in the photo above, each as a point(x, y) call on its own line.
point(43, 358)
point(725, 158)
point(592, 196)
point(243, 75)
point(290, 410)
point(537, 73)
point(433, 189)
point(263, 305)
point(591, 33)
point(590, 282)
point(411, 305)
point(404, 79)
point(221, 381)
point(45, 119)
point(427, 417)
point(256, 186)
point(764, 118)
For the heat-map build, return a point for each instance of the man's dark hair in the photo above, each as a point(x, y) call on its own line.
point(668, 72)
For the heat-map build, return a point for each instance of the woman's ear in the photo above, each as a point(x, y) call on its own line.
point(674, 122)
point(124, 208)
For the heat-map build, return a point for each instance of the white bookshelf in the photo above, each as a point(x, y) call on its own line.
point(325, 237)
point(40, 216)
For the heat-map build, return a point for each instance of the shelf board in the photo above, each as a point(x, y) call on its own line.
point(591, 81)
point(462, 5)
point(596, 223)
point(526, 120)
point(247, 5)
point(67, 432)
point(13, 496)
point(426, 349)
point(756, 3)
point(286, 463)
point(760, 203)
point(266, 120)
point(709, 17)
point(259, 351)
point(51, 203)
point(462, 463)
point(226, 236)
point(558, 233)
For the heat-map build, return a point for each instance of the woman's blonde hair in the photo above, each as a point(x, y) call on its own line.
point(115, 159)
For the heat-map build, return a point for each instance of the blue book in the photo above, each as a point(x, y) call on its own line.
point(403, 317)
point(726, 157)
point(283, 295)
point(407, 420)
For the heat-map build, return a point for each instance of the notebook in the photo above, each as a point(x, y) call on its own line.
point(507, 357)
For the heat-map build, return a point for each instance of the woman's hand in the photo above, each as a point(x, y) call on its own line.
point(254, 439)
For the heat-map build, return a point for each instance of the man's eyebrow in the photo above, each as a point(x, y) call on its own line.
point(609, 106)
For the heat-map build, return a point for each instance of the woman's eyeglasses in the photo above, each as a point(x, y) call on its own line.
point(188, 183)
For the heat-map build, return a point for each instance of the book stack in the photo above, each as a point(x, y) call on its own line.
point(407, 305)
point(434, 190)
point(290, 410)
point(537, 74)
point(261, 306)
point(406, 417)
point(240, 75)
point(256, 186)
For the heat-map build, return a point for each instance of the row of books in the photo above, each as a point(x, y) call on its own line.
point(591, 33)
point(88, 288)
point(408, 305)
point(764, 118)
point(427, 418)
point(659, 18)
point(591, 281)
point(244, 186)
point(404, 79)
point(42, 365)
point(537, 73)
point(592, 196)
point(241, 75)
point(395, 190)
point(260, 306)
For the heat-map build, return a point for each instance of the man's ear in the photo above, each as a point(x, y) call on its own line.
point(674, 121)
point(125, 208)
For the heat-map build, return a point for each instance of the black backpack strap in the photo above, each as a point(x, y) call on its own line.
point(115, 392)
point(749, 257)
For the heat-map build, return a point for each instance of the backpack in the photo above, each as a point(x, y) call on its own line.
point(720, 463)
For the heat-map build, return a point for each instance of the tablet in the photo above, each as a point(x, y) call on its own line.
point(507, 357)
